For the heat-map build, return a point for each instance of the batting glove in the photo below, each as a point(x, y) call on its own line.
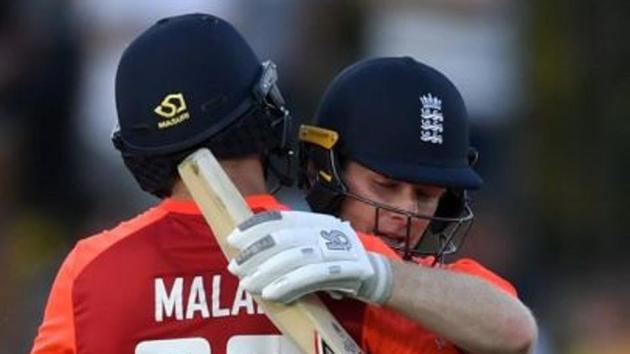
point(285, 255)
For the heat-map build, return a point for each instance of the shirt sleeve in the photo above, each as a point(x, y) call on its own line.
point(469, 266)
point(374, 244)
point(385, 331)
point(56, 333)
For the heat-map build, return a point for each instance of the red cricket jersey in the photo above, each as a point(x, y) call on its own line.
point(158, 284)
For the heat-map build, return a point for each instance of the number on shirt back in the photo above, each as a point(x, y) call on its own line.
point(174, 346)
point(245, 344)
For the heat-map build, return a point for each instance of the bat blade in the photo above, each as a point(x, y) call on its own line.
point(307, 322)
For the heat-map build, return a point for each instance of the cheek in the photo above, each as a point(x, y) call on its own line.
point(360, 215)
point(420, 225)
point(431, 207)
point(418, 228)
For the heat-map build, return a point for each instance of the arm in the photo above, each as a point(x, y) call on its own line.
point(470, 312)
point(56, 333)
point(294, 253)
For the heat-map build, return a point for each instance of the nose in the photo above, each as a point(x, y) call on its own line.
point(406, 199)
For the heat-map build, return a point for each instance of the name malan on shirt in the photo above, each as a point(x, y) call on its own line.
point(203, 298)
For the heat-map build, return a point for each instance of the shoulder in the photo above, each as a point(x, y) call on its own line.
point(264, 202)
point(472, 267)
point(57, 331)
point(90, 248)
point(374, 244)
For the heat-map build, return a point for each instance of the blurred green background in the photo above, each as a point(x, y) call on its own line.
point(547, 84)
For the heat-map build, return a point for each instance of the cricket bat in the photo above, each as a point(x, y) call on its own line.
point(307, 322)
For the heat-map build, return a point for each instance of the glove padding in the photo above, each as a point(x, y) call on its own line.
point(285, 255)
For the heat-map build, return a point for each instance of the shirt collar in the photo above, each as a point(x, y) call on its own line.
point(188, 206)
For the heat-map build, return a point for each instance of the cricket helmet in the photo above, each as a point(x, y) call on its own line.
point(191, 81)
point(404, 120)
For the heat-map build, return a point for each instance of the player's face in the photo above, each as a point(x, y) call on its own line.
point(368, 184)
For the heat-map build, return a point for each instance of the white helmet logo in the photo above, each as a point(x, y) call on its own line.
point(431, 119)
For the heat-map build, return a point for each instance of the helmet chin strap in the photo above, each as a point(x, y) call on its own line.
point(283, 178)
point(268, 95)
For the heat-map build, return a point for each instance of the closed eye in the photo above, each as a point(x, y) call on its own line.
point(390, 185)
point(424, 194)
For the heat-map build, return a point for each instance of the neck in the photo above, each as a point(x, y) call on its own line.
point(246, 173)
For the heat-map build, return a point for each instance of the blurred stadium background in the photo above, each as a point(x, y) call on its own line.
point(547, 83)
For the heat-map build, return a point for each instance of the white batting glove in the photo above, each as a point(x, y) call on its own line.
point(285, 255)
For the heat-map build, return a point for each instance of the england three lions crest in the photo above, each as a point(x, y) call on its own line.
point(431, 123)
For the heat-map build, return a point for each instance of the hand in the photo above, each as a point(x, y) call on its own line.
point(285, 255)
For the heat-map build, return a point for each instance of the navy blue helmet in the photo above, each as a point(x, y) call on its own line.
point(192, 81)
point(404, 120)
